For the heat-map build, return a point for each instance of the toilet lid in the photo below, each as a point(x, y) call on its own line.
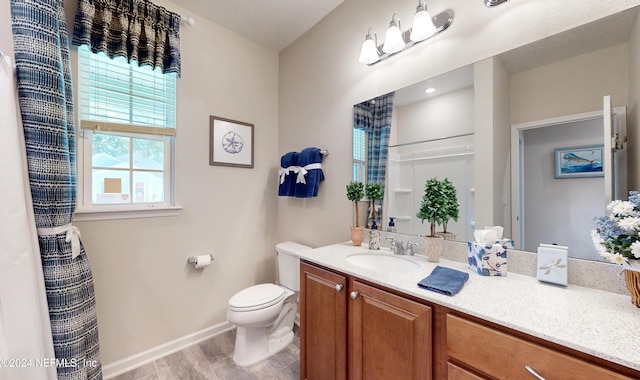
point(256, 297)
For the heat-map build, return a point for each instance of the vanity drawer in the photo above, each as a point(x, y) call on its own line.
point(504, 356)
point(456, 373)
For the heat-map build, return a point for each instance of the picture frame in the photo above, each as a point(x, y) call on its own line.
point(579, 161)
point(230, 142)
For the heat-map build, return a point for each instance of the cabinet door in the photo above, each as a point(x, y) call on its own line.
point(389, 336)
point(323, 324)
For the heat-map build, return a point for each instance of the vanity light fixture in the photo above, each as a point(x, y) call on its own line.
point(424, 27)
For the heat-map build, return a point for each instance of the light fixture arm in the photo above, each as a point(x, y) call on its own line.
point(371, 35)
point(493, 3)
point(395, 21)
point(422, 6)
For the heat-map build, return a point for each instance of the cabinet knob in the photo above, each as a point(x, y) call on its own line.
point(354, 295)
point(534, 373)
point(338, 287)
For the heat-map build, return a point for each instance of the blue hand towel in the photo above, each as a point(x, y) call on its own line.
point(287, 174)
point(310, 175)
point(444, 281)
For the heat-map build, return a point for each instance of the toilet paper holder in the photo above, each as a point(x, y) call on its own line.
point(194, 260)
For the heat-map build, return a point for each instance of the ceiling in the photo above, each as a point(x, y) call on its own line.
point(272, 23)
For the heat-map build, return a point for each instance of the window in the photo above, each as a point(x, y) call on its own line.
point(127, 116)
point(359, 155)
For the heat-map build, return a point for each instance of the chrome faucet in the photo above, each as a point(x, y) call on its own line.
point(410, 247)
point(396, 246)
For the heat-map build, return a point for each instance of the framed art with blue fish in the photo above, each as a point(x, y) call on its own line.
point(579, 161)
point(230, 142)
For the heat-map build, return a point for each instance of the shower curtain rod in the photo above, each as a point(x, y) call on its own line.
point(430, 140)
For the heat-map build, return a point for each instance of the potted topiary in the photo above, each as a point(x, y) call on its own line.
point(355, 192)
point(434, 210)
point(452, 207)
point(373, 191)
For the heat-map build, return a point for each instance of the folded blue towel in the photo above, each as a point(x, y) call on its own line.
point(310, 175)
point(287, 174)
point(444, 281)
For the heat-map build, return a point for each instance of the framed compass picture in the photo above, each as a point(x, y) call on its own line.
point(230, 142)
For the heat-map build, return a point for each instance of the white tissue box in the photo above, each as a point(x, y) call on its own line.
point(552, 264)
point(487, 259)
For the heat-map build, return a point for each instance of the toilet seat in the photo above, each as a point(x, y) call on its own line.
point(256, 297)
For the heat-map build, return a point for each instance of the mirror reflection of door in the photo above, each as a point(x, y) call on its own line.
point(566, 169)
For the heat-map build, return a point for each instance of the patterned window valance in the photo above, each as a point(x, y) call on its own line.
point(136, 29)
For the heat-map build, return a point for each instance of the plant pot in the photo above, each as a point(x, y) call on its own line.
point(434, 247)
point(357, 235)
point(447, 235)
point(632, 278)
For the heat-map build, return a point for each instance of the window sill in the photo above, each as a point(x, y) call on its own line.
point(95, 213)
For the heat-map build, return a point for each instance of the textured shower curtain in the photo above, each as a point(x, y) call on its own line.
point(25, 332)
point(46, 104)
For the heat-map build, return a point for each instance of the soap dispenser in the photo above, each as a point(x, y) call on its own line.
point(374, 236)
point(392, 225)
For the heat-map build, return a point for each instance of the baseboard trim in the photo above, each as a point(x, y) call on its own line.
point(134, 361)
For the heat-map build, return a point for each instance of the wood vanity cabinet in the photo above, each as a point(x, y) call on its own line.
point(353, 330)
point(478, 351)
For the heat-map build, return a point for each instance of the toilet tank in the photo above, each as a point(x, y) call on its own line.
point(289, 264)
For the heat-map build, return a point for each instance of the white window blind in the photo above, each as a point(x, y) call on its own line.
point(117, 92)
point(359, 154)
point(359, 144)
point(128, 117)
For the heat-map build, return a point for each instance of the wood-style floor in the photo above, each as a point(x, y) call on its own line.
point(212, 360)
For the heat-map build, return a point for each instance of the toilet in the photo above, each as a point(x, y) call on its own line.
point(264, 313)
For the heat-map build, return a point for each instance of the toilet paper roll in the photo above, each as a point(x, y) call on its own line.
point(203, 261)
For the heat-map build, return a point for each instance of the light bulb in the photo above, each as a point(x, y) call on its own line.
point(369, 52)
point(423, 26)
point(393, 41)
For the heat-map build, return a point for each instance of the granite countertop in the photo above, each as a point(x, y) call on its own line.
point(592, 321)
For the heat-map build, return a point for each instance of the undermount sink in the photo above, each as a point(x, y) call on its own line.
point(382, 263)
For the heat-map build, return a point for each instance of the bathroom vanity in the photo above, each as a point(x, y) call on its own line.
point(359, 323)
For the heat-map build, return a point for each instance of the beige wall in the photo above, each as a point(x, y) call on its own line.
point(572, 86)
point(320, 80)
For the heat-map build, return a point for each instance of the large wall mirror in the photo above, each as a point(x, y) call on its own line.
point(435, 132)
